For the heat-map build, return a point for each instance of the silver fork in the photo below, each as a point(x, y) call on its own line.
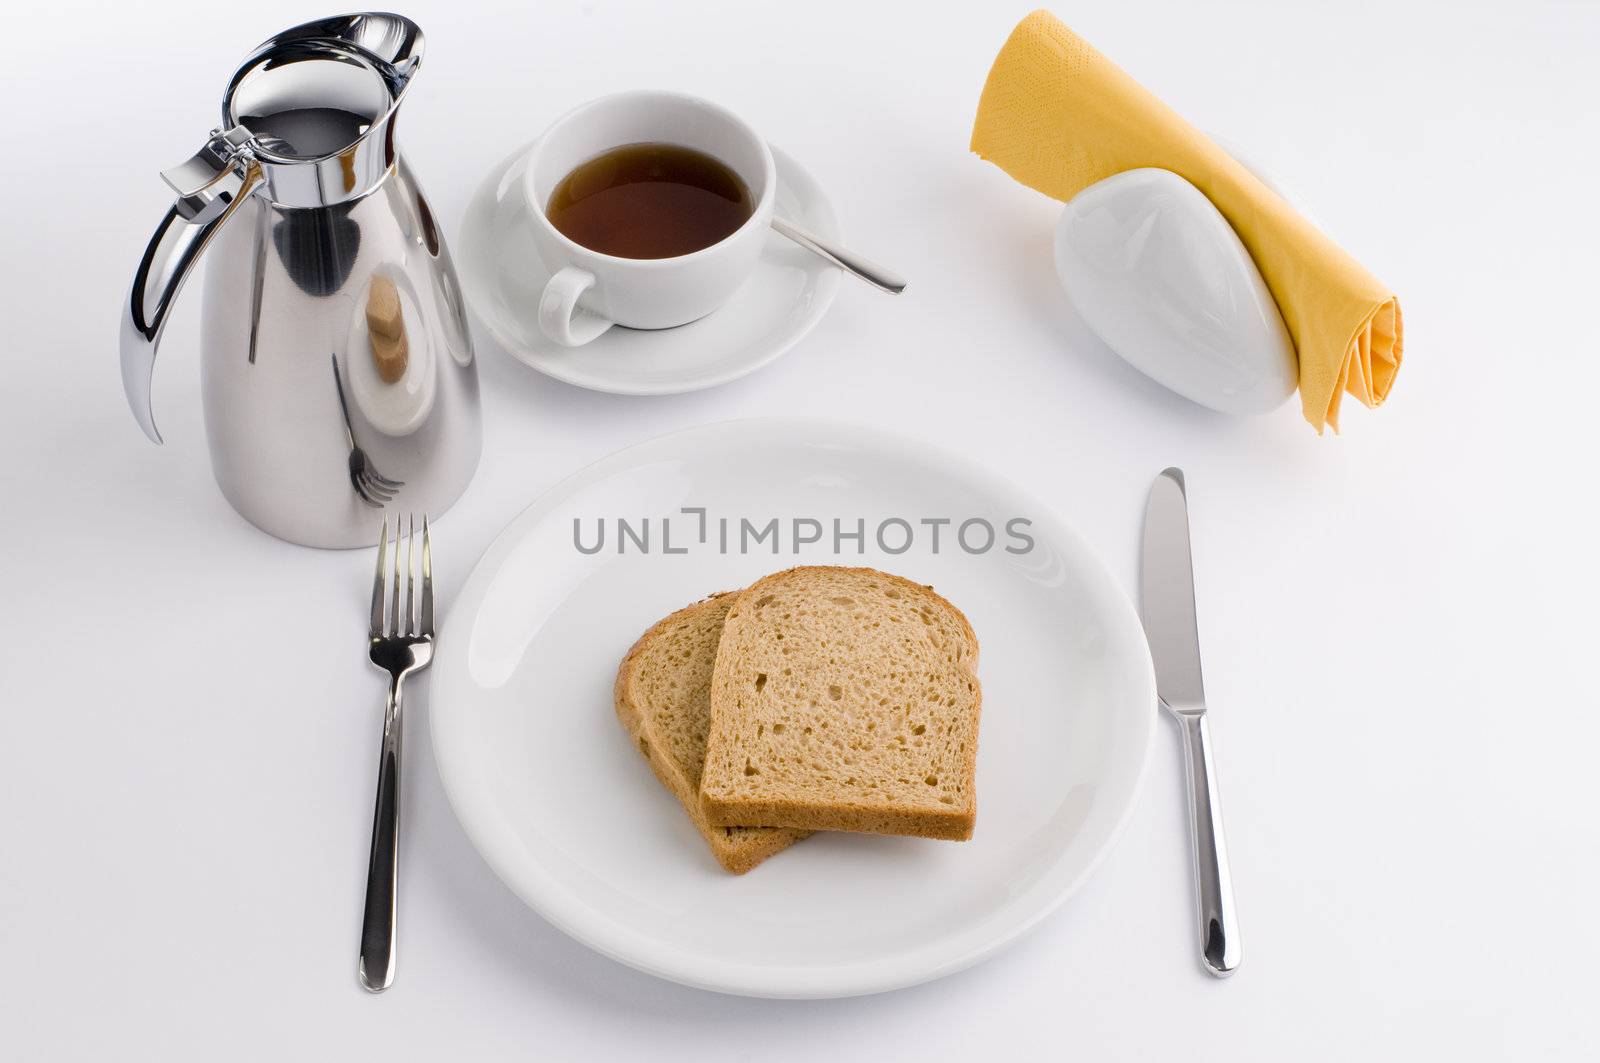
point(402, 646)
point(371, 486)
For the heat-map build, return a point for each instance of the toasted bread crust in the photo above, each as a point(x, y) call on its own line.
point(737, 850)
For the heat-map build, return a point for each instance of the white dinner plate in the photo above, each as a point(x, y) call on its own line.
point(786, 295)
point(560, 803)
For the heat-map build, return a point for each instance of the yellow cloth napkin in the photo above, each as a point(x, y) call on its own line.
point(1059, 116)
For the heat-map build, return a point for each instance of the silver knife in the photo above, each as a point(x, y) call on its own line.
point(1167, 592)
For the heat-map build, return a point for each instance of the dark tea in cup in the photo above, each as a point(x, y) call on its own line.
point(649, 200)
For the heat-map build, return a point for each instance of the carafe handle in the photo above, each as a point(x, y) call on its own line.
point(210, 187)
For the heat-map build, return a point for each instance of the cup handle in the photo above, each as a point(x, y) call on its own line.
point(560, 316)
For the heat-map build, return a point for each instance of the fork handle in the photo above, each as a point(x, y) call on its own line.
point(378, 918)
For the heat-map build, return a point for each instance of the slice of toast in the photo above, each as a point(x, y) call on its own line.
point(844, 699)
point(662, 697)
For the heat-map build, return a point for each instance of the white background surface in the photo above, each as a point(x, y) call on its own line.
point(1397, 623)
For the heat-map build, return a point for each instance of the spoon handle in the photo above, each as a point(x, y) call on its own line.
point(883, 279)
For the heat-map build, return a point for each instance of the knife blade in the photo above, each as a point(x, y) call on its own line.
point(1166, 587)
point(1167, 590)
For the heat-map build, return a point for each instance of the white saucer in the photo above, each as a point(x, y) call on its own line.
point(557, 799)
point(788, 293)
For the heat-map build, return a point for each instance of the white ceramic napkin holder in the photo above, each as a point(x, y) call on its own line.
point(1156, 272)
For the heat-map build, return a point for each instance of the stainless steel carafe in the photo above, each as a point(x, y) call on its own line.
point(336, 368)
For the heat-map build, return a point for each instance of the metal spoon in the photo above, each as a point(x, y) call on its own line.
point(883, 279)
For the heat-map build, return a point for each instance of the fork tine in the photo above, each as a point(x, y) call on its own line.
point(427, 580)
point(394, 609)
point(375, 626)
point(411, 568)
point(365, 492)
point(373, 480)
point(371, 490)
point(383, 481)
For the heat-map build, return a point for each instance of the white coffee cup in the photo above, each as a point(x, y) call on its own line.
point(588, 291)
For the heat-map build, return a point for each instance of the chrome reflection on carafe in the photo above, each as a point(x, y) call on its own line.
point(336, 367)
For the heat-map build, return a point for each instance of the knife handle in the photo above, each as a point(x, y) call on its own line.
point(1219, 925)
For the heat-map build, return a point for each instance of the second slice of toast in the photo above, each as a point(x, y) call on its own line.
point(662, 697)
